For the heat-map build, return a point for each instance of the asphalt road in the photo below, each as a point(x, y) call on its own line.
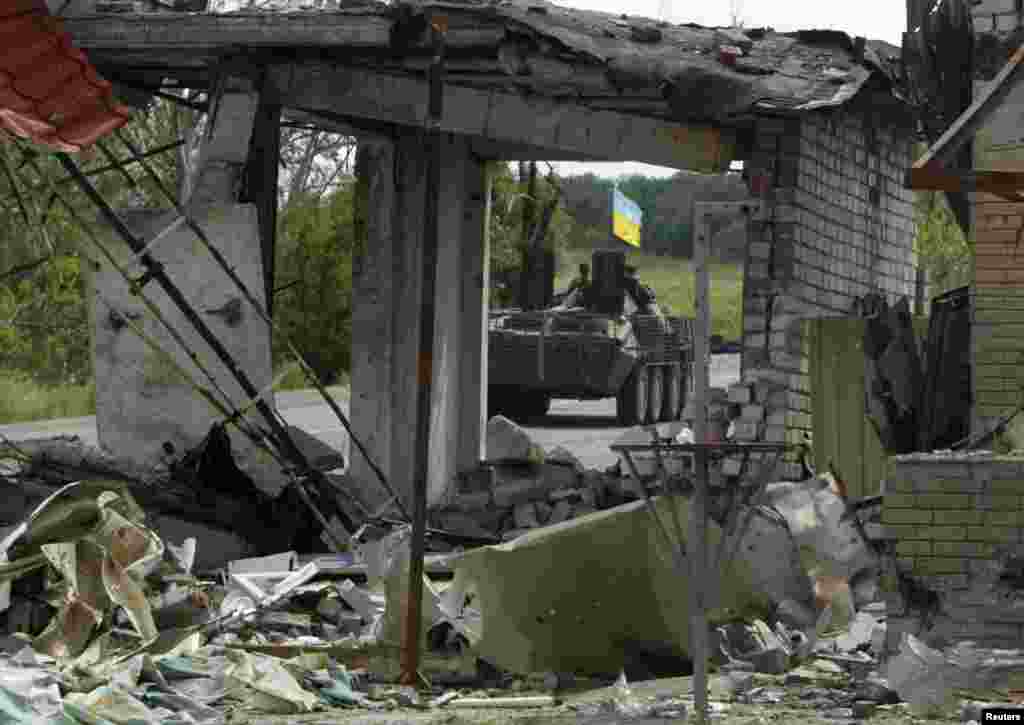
point(586, 428)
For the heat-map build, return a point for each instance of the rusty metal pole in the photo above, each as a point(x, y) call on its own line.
point(697, 534)
point(411, 630)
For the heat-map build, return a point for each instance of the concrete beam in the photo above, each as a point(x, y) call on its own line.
point(154, 33)
point(549, 125)
point(372, 131)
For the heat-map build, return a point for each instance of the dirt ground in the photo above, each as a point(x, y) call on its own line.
point(664, 700)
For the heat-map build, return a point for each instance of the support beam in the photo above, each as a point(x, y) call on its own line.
point(224, 148)
point(386, 313)
point(380, 130)
point(546, 124)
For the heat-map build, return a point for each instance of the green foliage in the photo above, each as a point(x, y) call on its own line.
point(24, 399)
point(941, 247)
point(314, 265)
point(506, 224)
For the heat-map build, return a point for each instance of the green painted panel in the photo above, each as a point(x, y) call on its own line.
point(842, 433)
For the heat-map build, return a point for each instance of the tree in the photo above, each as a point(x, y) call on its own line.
point(940, 244)
point(314, 261)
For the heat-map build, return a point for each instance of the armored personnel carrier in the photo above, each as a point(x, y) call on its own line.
point(642, 360)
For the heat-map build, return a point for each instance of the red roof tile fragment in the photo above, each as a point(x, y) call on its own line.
point(49, 92)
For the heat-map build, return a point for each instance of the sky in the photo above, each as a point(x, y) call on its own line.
point(875, 19)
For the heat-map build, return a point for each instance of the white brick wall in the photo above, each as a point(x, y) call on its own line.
point(840, 226)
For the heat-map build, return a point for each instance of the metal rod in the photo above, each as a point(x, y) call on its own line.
point(698, 514)
point(281, 435)
point(410, 653)
point(306, 369)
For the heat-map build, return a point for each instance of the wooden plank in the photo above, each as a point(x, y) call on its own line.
point(547, 124)
point(943, 152)
point(934, 178)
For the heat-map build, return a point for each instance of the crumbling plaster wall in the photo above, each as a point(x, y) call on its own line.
point(837, 225)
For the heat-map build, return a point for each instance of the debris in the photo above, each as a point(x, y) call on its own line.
point(521, 612)
point(509, 443)
point(286, 562)
point(935, 682)
point(505, 702)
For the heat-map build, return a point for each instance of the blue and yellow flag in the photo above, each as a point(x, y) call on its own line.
point(626, 218)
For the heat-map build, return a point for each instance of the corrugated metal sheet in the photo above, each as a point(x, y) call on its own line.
point(49, 92)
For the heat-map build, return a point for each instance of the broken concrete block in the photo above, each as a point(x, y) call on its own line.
point(464, 524)
point(562, 455)
point(521, 484)
point(509, 443)
point(741, 394)
point(543, 511)
point(525, 516)
point(476, 480)
point(471, 502)
point(747, 430)
point(753, 412)
point(558, 475)
point(561, 511)
point(732, 466)
point(565, 494)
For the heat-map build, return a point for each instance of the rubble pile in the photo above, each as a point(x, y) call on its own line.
point(106, 618)
point(523, 487)
point(122, 626)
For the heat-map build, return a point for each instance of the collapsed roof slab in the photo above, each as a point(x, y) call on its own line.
point(597, 85)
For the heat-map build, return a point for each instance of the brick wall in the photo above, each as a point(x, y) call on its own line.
point(948, 518)
point(838, 225)
point(996, 16)
point(997, 335)
point(997, 230)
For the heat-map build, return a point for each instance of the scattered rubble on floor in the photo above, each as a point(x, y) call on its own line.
point(578, 614)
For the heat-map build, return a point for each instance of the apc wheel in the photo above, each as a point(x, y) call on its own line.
point(655, 393)
point(632, 399)
point(673, 393)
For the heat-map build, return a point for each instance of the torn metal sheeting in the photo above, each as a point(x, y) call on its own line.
point(525, 615)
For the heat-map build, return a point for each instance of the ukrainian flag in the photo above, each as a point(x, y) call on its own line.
point(626, 218)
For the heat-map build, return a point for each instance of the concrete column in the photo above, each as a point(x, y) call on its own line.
point(373, 320)
point(475, 285)
point(141, 403)
point(386, 316)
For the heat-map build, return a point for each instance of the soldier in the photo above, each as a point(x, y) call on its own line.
point(643, 296)
point(579, 292)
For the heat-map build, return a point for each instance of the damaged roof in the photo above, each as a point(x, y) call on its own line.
point(612, 62)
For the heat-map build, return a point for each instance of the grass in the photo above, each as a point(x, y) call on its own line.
point(294, 379)
point(23, 400)
point(673, 282)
